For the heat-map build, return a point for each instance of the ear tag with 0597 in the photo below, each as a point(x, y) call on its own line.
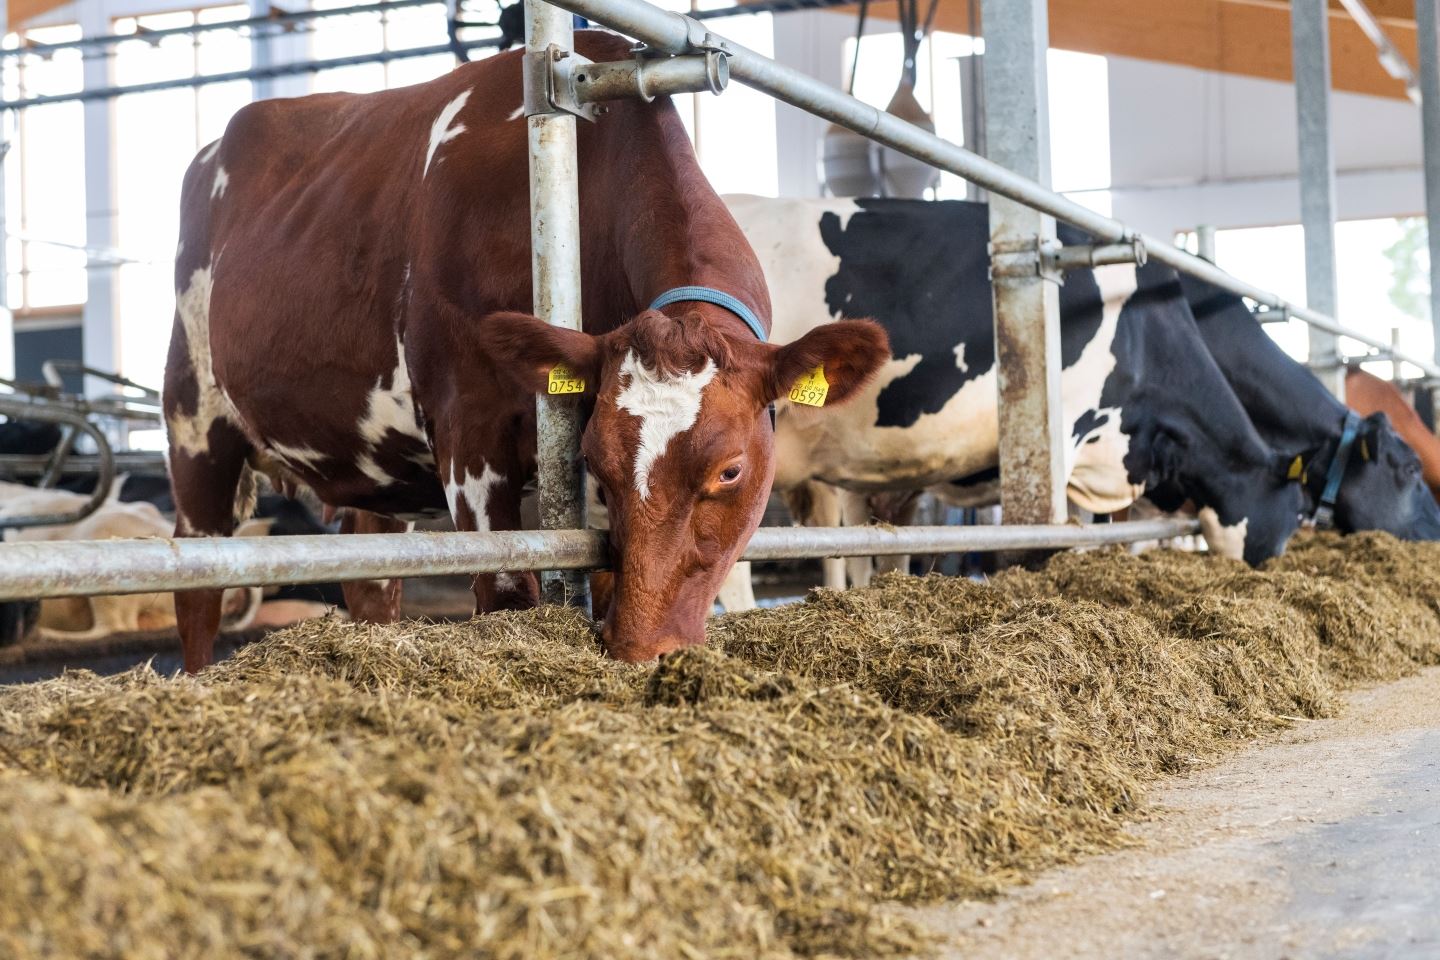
point(811, 389)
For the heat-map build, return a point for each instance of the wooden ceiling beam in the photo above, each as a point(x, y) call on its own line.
point(1245, 37)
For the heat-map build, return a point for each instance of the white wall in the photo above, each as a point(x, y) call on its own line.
point(1191, 146)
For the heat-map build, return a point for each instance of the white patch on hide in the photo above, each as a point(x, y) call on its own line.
point(665, 406)
point(960, 363)
point(209, 152)
point(474, 492)
point(517, 113)
point(441, 132)
point(1225, 541)
point(306, 457)
point(222, 180)
point(1095, 462)
point(389, 409)
point(190, 433)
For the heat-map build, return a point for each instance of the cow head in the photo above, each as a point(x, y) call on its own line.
point(1247, 502)
point(1382, 487)
point(681, 447)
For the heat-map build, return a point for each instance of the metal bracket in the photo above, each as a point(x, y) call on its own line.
point(562, 81)
point(1033, 257)
point(1091, 255)
point(1267, 314)
point(549, 85)
point(1026, 257)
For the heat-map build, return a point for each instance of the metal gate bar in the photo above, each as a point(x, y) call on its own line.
point(87, 568)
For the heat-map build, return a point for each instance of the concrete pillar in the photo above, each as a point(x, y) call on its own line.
point(269, 47)
point(101, 316)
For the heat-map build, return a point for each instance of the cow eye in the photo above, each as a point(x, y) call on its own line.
point(730, 474)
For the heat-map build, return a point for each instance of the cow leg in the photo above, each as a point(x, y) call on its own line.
point(816, 504)
point(898, 510)
point(737, 592)
point(207, 487)
point(372, 601)
point(855, 512)
point(485, 495)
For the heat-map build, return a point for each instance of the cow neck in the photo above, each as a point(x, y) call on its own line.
point(674, 231)
point(1186, 397)
point(1291, 409)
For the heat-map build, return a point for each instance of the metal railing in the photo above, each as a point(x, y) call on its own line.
point(676, 33)
point(71, 569)
point(80, 568)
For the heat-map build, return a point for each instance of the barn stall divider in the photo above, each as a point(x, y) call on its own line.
point(1024, 263)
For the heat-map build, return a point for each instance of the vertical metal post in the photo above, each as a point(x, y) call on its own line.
point(1310, 42)
point(1027, 307)
point(555, 273)
point(7, 318)
point(972, 98)
point(100, 319)
point(1427, 30)
point(1205, 242)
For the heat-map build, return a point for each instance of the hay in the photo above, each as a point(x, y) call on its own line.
point(496, 788)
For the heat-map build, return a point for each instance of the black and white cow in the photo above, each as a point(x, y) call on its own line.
point(1144, 402)
point(1381, 485)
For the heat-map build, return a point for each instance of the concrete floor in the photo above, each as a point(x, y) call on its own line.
point(1322, 843)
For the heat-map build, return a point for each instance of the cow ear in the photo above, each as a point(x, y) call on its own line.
point(830, 364)
point(531, 350)
point(1369, 443)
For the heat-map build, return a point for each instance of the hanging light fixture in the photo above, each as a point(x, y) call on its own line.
point(854, 166)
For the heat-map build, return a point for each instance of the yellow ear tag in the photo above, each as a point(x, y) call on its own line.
point(1364, 450)
point(811, 389)
point(563, 380)
point(1297, 469)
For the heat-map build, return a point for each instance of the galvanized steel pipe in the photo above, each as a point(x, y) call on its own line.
point(555, 284)
point(650, 77)
point(87, 568)
point(676, 33)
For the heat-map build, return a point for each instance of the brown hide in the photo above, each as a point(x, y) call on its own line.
point(1367, 394)
point(353, 297)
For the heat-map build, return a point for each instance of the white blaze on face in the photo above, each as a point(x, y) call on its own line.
point(441, 132)
point(1226, 541)
point(665, 406)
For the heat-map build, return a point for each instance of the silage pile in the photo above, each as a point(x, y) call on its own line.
point(497, 789)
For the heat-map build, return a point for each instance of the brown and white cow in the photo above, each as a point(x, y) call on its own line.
point(353, 288)
point(1367, 394)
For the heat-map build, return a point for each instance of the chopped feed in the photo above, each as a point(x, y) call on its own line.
point(496, 788)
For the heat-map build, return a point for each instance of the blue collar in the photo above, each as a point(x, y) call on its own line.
point(1325, 512)
point(719, 298)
